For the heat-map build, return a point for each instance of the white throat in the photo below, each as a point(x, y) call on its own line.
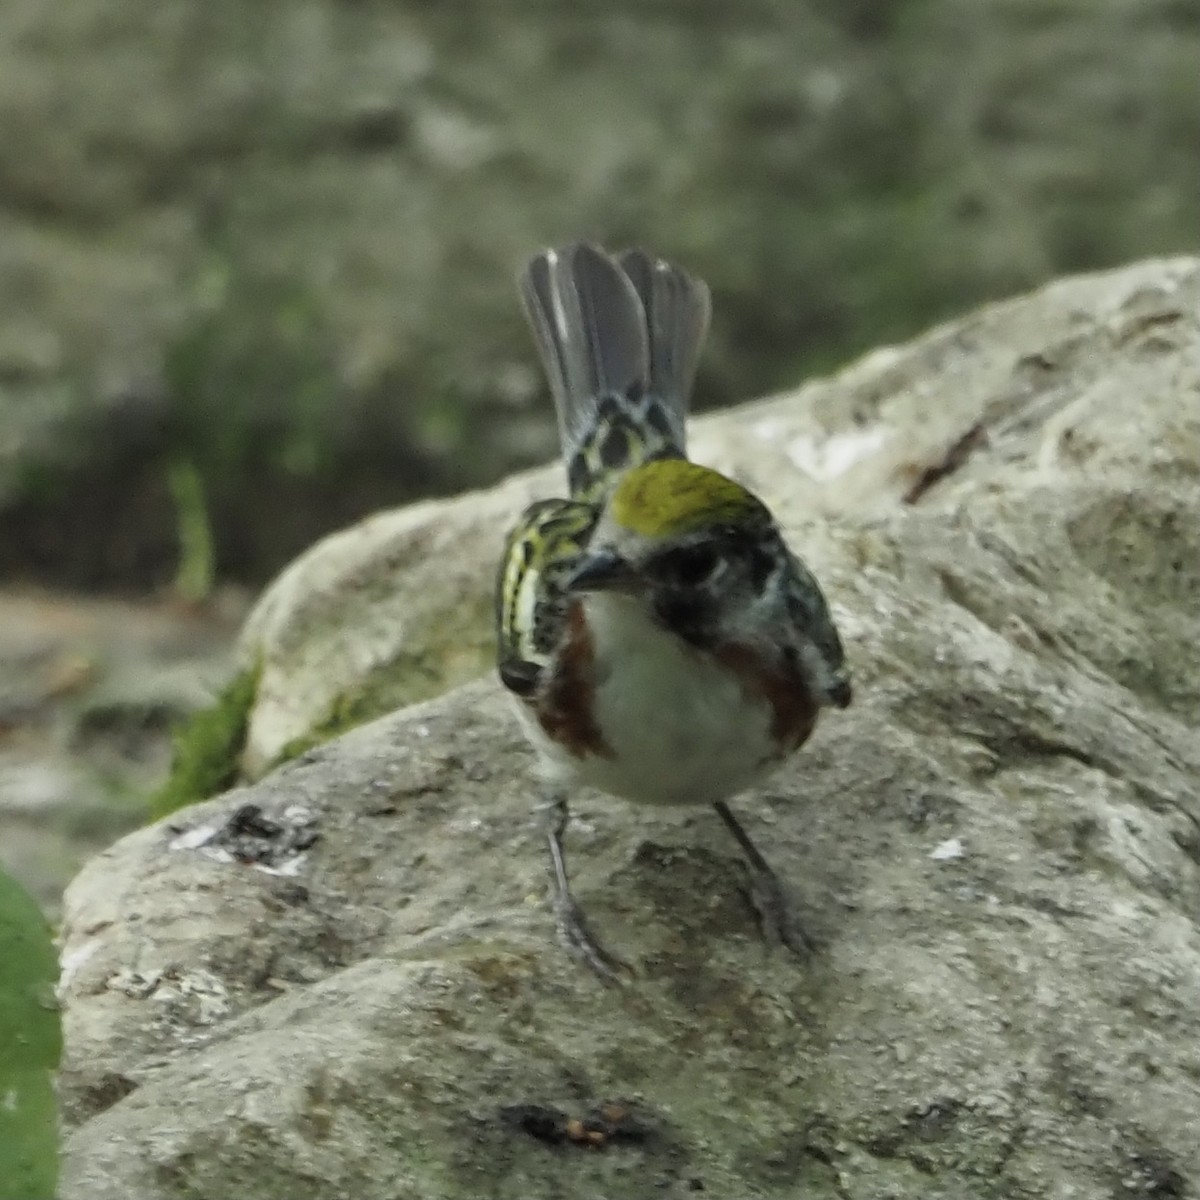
point(681, 726)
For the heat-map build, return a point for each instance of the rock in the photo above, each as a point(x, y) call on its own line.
point(997, 848)
point(413, 587)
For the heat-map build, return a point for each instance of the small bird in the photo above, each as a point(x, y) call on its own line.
point(661, 641)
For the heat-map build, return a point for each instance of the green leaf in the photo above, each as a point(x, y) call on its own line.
point(30, 1044)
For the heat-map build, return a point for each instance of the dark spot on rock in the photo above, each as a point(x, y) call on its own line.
point(248, 821)
point(933, 1121)
point(1148, 1173)
point(602, 1126)
point(294, 894)
point(538, 1121)
point(252, 837)
point(105, 1091)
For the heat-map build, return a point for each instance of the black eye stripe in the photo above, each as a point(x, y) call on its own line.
point(687, 565)
point(759, 555)
point(753, 558)
point(762, 566)
point(687, 615)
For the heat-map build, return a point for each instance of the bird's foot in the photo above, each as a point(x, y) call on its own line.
point(777, 915)
point(584, 944)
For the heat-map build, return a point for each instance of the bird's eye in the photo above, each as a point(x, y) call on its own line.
point(689, 566)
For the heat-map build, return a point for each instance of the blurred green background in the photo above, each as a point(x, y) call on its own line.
point(256, 266)
point(265, 251)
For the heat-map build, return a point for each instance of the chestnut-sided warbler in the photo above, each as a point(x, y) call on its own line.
point(662, 642)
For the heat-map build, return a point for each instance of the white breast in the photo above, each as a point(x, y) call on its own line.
point(681, 726)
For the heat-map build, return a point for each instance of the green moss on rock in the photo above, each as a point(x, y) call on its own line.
point(208, 747)
point(410, 679)
point(347, 711)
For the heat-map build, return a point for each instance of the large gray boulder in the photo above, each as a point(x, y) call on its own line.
point(343, 980)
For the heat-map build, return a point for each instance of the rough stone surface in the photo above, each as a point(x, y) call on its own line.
point(395, 609)
point(997, 846)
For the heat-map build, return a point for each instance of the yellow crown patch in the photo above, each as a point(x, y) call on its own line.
point(673, 495)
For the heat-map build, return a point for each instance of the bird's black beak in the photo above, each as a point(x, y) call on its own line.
point(603, 571)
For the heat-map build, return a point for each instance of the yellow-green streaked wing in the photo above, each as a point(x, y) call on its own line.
point(530, 589)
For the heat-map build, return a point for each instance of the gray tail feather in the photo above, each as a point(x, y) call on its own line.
point(619, 340)
point(677, 309)
point(590, 331)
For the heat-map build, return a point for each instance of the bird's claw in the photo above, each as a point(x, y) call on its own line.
point(777, 915)
point(584, 945)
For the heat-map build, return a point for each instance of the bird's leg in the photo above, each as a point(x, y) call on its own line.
point(571, 921)
point(779, 922)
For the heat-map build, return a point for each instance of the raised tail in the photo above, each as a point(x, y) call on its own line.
point(619, 339)
point(676, 308)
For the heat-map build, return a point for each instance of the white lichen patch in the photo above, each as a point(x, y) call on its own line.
point(826, 459)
